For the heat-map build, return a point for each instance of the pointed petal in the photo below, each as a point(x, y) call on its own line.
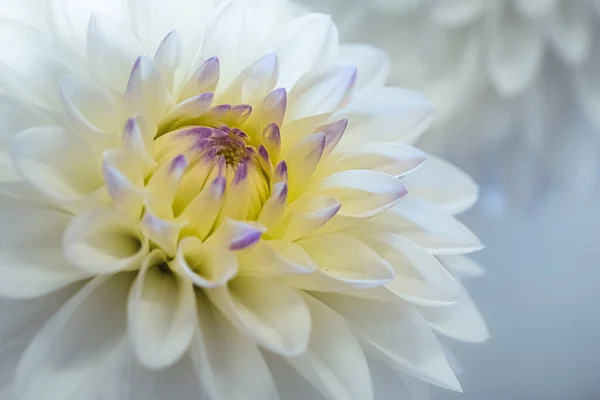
point(390, 158)
point(93, 322)
point(420, 277)
point(334, 362)
point(161, 310)
point(397, 335)
point(444, 184)
point(426, 225)
point(306, 40)
point(385, 114)
point(104, 242)
point(146, 94)
point(57, 162)
point(362, 193)
point(306, 215)
point(228, 364)
point(32, 262)
point(274, 315)
point(91, 110)
point(344, 263)
point(322, 91)
point(112, 50)
point(461, 321)
point(276, 258)
point(204, 265)
point(373, 64)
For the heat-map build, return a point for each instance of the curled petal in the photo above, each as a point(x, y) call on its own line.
point(362, 193)
point(345, 264)
point(161, 309)
point(204, 265)
point(104, 242)
point(273, 314)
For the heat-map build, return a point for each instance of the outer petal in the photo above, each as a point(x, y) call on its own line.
point(306, 41)
point(32, 262)
point(22, 319)
point(57, 162)
point(334, 362)
point(373, 64)
point(161, 311)
point(104, 242)
point(229, 365)
point(344, 264)
point(444, 184)
point(206, 266)
point(94, 323)
point(397, 335)
point(324, 90)
point(428, 226)
point(112, 50)
point(385, 114)
point(274, 315)
point(362, 193)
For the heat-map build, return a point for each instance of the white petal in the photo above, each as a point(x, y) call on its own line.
point(112, 50)
point(162, 231)
point(16, 116)
point(442, 183)
point(94, 323)
point(32, 262)
point(373, 64)
point(274, 315)
point(428, 226)
point(68, 19)
point(22, 319)
point(344, 263)
point(92, 111)
point(104, 241)
point(306, 41)
point(334, 362)
point(362, 193)
point(146, 94)
point(60, 164)
point(276, 258)
point(31, 74)
point(461, 321)
point(390, 158)
point(397, 335)
point(462, 267)
point(385, 114)
point(161, 310)
point(168, 57)
point(420, 277)
point(132, 381)
point(228, 364)
point(324, 90)
point(230, 37)
point(301, 160)
point(306, 215)
point(155, 19)
point(204, 265)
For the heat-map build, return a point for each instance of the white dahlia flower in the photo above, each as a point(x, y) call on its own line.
point(217, 200)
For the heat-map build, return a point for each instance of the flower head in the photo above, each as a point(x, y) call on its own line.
point(187, 183)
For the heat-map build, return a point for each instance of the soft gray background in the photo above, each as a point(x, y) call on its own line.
point(540, 299)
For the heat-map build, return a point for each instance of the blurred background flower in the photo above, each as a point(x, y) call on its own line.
point(513, 74)
point(517, 89)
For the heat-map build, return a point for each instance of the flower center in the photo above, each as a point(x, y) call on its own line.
point(212, 150)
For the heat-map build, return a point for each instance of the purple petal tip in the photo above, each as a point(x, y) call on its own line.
point(246, 240)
